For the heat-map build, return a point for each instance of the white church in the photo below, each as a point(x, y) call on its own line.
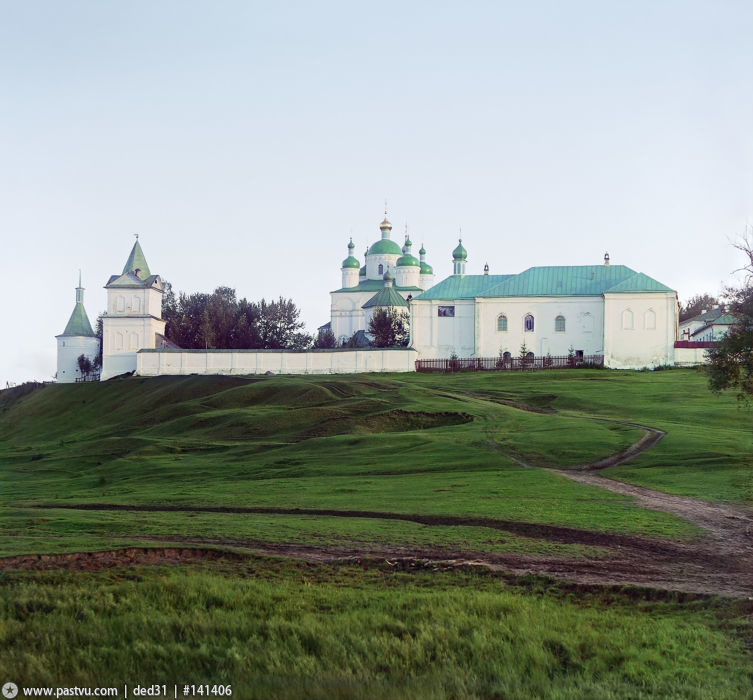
point(626, 316)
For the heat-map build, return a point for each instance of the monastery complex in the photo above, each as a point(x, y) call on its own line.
point(610, 310)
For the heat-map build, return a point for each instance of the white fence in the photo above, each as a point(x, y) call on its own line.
point(151, 363)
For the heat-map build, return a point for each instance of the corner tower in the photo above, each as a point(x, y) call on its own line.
point(77, 339)
point(133, 320)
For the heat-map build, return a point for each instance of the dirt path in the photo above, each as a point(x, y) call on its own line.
point(720, 563)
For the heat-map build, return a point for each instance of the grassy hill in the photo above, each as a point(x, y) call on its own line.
point(413, 463)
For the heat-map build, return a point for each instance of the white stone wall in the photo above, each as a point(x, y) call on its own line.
point(70, 347)
point(350, 277)
point(123, 337)
point(407, 276)
point(388, 262)
point(689, 357)
point(127, 301)
point(152, 363)
point(583, 325)
point(639, 329)
point(346, 314)
point(433, 335)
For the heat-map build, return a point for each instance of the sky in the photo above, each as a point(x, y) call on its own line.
point(245, 142)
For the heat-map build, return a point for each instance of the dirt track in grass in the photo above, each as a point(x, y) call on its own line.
point(721, 562)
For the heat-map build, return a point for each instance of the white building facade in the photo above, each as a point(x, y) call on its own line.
point(609, 310)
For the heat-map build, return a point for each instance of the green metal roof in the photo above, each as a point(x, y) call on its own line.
point(385, 247)
point(386, 297)
point(137, 261)
point(350, 261)
point(426, 269)
point(408, 261)
point(374, 286)
point(78, 324)
point(574, 280)
point(462, 287)
point(639, 283)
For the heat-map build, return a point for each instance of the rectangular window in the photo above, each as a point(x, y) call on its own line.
point(446, 311)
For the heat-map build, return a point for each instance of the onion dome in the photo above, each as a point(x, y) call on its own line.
point(385, 225)
point(460, 253)
point(426, 269)
point(385, 247)
point(422, 251)
point(351, 260)
point(408, 261)
point(388, 276)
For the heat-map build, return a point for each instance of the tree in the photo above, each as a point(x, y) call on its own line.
point(221, 320)
point(696, 305)
point(84, 365)
point(325, 338)
point(279, 326)
point(389, 328)
point(731, 360)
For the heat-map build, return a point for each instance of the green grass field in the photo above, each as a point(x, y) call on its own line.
point(414, 445)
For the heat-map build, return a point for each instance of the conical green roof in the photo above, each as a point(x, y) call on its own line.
point(137, 261)
point(78, 324)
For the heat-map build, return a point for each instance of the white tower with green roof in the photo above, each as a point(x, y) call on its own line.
point(77, 339)
point(133, 320)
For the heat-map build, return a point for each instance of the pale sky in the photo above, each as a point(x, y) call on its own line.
point(246, 141)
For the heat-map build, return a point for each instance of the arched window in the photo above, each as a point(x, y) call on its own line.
point(528, 322)
point(501, 322)
point(627, 320)
point(381, 269)
point(559, 324)
point(530, 356)
point(649, 320)
point(506, 355)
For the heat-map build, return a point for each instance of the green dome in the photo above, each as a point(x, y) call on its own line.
point(460, 253)
point(385, 247)
point(351, 245)
point(350, 261)
point(426, 269)
point(407, 261)
point(422, 251)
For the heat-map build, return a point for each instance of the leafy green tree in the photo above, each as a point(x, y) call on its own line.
point(389, 328)
point(730, 364)
point(696, 305)
point(325, 338)
point(221, 320)
point(279, 325)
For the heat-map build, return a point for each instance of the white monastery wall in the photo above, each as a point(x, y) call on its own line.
point(639, 329)
point(690, 357)
point(151, 363)
point(70, 347)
